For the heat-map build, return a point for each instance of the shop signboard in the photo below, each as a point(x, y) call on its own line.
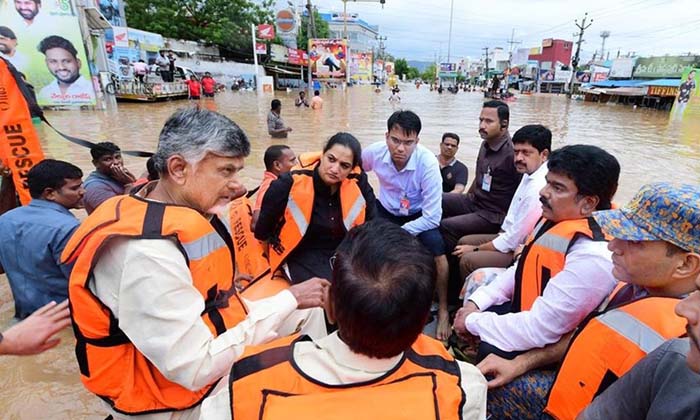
point(260, 48)
point(448, 70)
point(670, 67)
point(287, 27)
point(328, 58)
point(562, 76)
point(598, 73)
point(266, 31)
point(49, 50)
point(662, 91)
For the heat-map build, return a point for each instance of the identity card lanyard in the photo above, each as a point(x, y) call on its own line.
point(486, 181)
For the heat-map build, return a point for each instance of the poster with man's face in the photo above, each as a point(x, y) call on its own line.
point(42, 40)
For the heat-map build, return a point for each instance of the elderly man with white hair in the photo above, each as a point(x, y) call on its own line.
point(155, 310)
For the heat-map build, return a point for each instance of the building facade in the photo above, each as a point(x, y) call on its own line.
point(361, 35)
point(553, 51)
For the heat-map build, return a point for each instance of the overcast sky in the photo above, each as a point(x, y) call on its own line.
point(418, 29)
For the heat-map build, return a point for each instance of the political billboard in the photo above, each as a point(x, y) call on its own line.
point(664, 67)
point(686, 106)
point(43, 41)
point(361, 67)
point(328, 58)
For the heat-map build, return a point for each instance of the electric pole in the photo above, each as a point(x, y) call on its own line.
point(449, 38)
point(574, 62)
point(486, 70)
point(512, 42)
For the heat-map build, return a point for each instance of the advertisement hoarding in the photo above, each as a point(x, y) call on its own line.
point(278, 53)
point(622, 68)
point(328, 58)
point(686, 106)
point(49, 50)
point(361, 66)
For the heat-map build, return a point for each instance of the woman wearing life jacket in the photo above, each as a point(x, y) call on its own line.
point(307, 212)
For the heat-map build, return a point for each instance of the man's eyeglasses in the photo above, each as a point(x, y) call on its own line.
point(399, 142)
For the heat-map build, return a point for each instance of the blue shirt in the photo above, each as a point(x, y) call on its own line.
point(32, 238)
point(420, 180)
point(98, 189)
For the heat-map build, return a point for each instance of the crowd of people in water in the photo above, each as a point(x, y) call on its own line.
point(523, 291)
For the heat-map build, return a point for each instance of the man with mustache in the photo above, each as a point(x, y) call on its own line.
point(484, 207)
point(564, 272)
point(63, 63)
point(532, 145)
point(657, 261)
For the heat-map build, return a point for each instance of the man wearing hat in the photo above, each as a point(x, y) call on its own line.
point(656, 257)
point(8, 49)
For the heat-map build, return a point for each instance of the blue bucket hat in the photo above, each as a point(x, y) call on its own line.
point(659, 212)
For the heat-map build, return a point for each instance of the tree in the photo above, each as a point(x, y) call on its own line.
point(322, 30)
point(429, 74)
point(222, 22)
point(401, 67)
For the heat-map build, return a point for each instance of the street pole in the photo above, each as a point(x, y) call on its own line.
point(309, 28)
point(574, 61)
point(449, 39)
point(255, 58)
point(486, 70)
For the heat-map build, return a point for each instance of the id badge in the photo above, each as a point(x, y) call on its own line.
point(486, 182)
point(404, 204)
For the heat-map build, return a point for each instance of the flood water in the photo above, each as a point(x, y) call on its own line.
point(648, 146)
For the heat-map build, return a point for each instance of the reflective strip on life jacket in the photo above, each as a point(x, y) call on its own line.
point(202, 247)
point(354, 211)
point(297, 215)
point(645, 337)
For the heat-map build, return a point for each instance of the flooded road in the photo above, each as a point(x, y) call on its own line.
point(648, 147)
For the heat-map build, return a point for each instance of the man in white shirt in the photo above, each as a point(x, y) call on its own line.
point(372, 366)
point(69, 88)
point(410, 193)
point(29, 13)
point(8, 49)
point(565, 270)
point(532, 145)
point(156, 314)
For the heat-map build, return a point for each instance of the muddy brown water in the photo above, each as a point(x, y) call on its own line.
point(648, 146)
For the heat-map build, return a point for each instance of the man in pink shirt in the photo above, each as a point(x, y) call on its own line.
point(279, 159)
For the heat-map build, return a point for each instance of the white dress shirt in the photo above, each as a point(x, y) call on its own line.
point(330, 360)
point(420, 180)
point(80, 92)
point(568, 298)
point(148, 287)
point(524, 211)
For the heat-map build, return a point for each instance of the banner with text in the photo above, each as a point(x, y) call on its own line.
point(46, 45)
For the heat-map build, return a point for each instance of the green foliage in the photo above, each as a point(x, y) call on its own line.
point(429, 74)
point(322, 30)
point(222, 22)
point(401, 67)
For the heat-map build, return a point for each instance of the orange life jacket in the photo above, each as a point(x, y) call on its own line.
point(110, 365)
point(297, 215)
point(606, 347)
point(266, 384)
point(544, 256)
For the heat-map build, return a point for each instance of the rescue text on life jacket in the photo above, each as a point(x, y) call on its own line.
point(606, 346)
point(266, 383)
point(110, 365)
point(297, 214)
point(544, 256)
point(20, 149)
